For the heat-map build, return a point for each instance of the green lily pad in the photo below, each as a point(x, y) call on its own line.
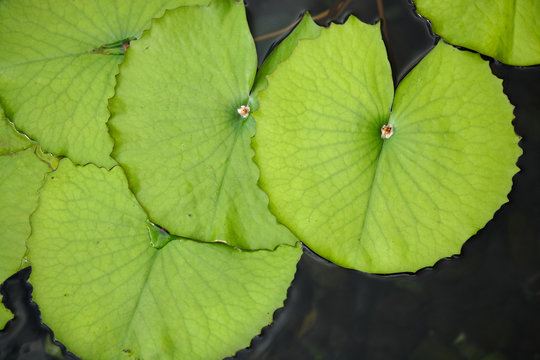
point(179, 136)
point(10, 139)
point(305, 30)
point(373, 204)
point(107, 292)
point(21, 175)
point(507, 30)
point(58, 61)
point(22, 168)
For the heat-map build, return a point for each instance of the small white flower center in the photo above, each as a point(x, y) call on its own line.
point(387, 131)
point(243, 111)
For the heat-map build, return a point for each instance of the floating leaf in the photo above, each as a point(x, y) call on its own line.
point(507, 30)
point(21, 175)
point(10, 139)
point(179, 135)
point(58, 60)
point(374, 204)
point(306, 29)
point(107, 292)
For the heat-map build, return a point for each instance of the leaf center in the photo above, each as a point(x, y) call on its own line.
point(387, 131)
point(115, 48)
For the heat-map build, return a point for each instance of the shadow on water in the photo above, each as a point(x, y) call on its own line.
point(483, 304)
point(24, 337)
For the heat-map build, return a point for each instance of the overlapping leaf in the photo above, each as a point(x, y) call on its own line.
point(304, 30)
point(185, 148)
point(90, 245)
point(58, 59)
point(107, 292)
point(21, 175)
point(383, 205)
point(508, 30)
point(11, 140)
point(363, 202)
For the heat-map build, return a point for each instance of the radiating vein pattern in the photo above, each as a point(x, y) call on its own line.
point(178, 134)
point(456, 152)
point(53, 84)
point(377, 205)
point(108, 293)
point(317, 143)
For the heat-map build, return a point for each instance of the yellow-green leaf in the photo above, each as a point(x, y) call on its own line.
point(374, 204)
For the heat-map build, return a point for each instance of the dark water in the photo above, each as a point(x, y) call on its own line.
point(483, 304)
